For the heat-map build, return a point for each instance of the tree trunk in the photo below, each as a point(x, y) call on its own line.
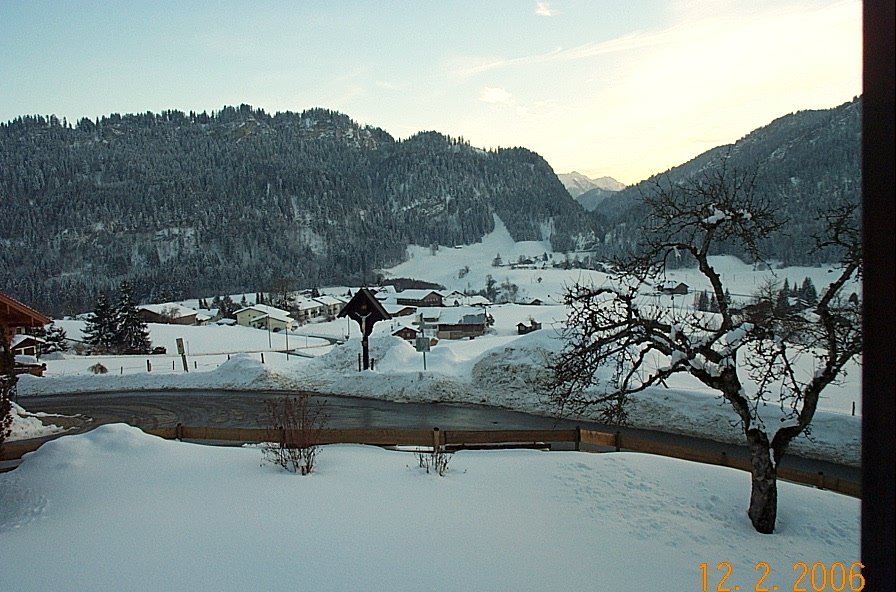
point(764, 494)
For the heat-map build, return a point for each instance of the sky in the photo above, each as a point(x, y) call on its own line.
point(622, 89)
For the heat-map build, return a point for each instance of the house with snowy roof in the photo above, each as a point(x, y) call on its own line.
point(18, 317)
point(304, 309)
point(419, 298)
point(171, 313)
point(262, 316)
point(674, 288)
point(461, 322)
point(331, 305)
point(26, 345)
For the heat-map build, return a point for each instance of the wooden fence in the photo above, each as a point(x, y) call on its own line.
point(452, 440)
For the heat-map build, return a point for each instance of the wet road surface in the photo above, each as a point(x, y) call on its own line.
point(150, 410)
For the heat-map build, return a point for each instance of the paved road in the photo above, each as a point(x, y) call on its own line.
point(148, 410)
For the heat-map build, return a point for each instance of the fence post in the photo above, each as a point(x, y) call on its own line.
point(578, 438)
point(179, 431)
point(148, 366)
point(820, 479)
point(618, 440)
point(262, 357)
point(436, 440)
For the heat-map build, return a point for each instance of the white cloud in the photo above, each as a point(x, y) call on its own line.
point(544, 9)
point(495, 96)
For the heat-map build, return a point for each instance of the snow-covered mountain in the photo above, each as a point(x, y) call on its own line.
point(577, 183)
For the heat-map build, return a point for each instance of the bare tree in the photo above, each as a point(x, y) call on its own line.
point(620, 342)
point(299, 424)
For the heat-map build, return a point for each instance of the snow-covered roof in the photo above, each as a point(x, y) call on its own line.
point(171, 309)
point(17, 339)
point(416, 294)
point(462, 315)
point(393, 309)
point(274, 313)
point(329, 300)
point(463, 300)
point(306, 303)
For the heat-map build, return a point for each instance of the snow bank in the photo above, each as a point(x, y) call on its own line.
point(117, 510)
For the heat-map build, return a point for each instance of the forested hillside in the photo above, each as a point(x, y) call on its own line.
point(197, 204)
point(806, 162)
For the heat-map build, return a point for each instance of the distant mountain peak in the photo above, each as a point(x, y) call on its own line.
point(577, 183)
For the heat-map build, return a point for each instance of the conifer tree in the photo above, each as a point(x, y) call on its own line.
point(808, 292)
point(132, 336)
point(227, 307)
point(56, 339)
point(703, 301)
point(101, 328)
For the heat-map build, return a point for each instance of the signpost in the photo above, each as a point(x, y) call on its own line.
point(421, 344)
point(182, 352)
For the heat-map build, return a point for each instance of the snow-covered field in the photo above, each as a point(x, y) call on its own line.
point(120, 510)
point(116, 510)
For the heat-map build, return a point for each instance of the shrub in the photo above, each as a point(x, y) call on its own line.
point(299, 424)
point(435, 461)
point(98, 369)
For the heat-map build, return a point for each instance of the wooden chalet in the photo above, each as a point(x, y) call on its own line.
point(26, 345)
point(674, 288)
point(522, 328)
point(419, 298)
point(461, 325)
point(16, 318)
point(169, 314)
point(407, 333)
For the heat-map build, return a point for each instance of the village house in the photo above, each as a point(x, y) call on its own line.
point(419, 298)
point(523, 329)
point(261, 316)
point(454, 298)
point(427, 319)
point(407, 333)
point(17, 318)
point(400, 310)
point(331, 305)
point(674, 288)
point(304, 309)
point(461, 323)
point(26, 345)
point(171, 314)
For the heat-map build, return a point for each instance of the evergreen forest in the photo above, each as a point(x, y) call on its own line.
point(192, 204)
